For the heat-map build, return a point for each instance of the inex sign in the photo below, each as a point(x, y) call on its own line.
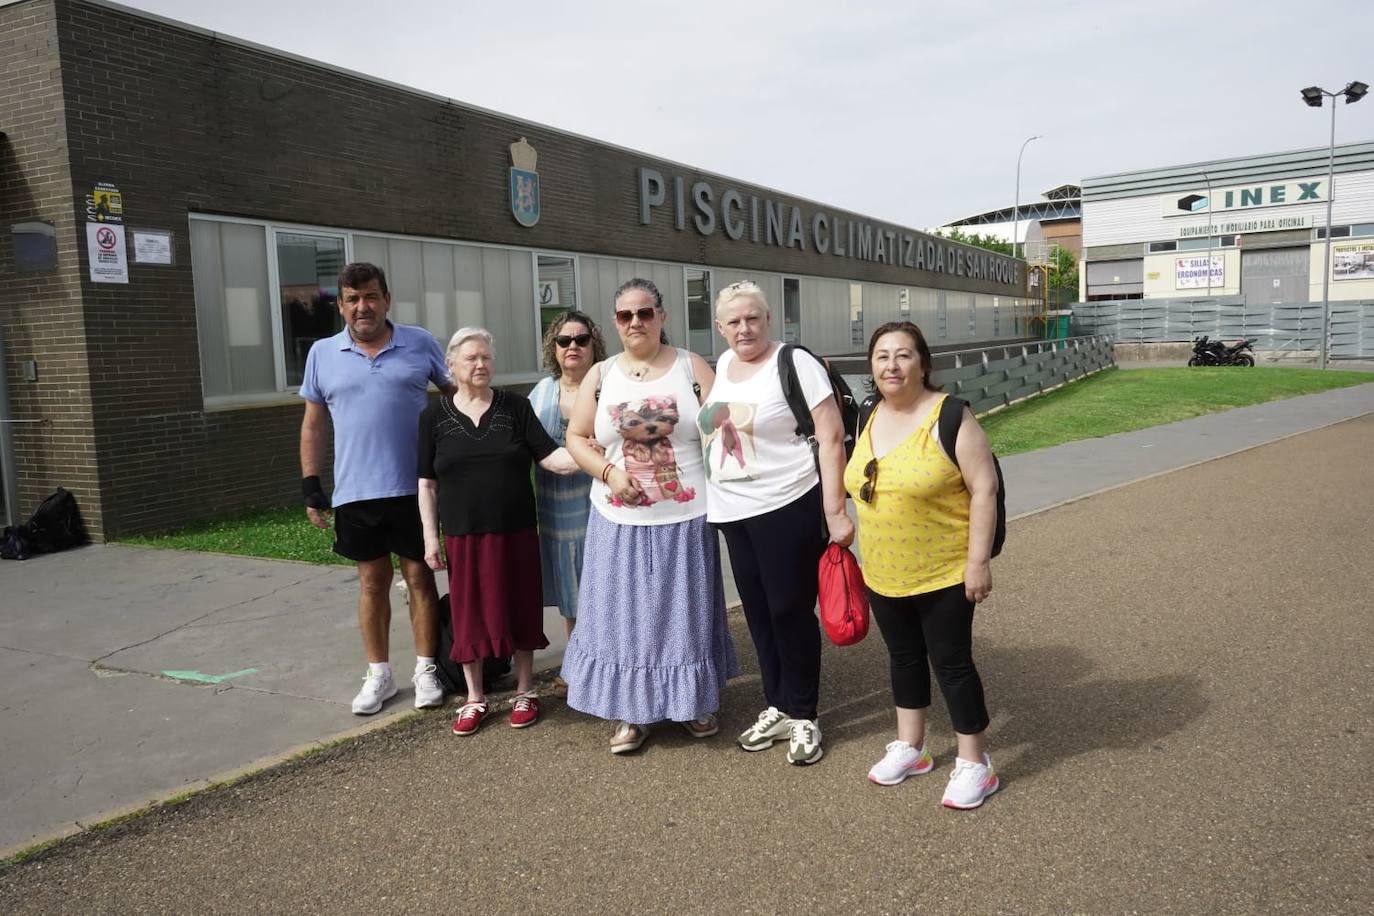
point(1246, 197)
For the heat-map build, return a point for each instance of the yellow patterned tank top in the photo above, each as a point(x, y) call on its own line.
point(913, 533)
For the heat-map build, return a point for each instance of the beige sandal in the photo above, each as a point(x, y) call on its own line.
point(560, 686)
point(704, 727)
point(628, 738)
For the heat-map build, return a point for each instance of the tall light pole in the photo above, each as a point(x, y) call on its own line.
point(1313, 96)
point(1016, 211)
point(1209, 232)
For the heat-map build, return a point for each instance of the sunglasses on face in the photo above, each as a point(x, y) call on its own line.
point(567, 340)
point(870, 480)
point(645, 314)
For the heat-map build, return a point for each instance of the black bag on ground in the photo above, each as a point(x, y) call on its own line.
point(951, 418)
point(796, 400)
point(55, 525)
point(450, 672)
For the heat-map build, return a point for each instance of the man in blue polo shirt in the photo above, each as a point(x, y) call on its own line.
point(372, 380)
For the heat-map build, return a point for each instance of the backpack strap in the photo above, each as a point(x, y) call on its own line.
point(866, 408)
point(795, 397)
point(951, 416)
point(685, 357)
point(606, 367)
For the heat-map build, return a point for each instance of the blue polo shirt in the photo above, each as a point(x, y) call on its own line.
point(375, 405)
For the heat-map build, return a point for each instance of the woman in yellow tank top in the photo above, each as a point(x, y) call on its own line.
point(925, 535)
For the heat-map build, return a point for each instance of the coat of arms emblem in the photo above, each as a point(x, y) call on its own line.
point(524, 183)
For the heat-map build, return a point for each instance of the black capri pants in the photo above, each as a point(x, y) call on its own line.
point(937, 625)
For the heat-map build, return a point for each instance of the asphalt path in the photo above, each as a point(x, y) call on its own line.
point(1178, 670)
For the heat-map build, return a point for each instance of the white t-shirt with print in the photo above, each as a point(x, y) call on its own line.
point(755, 461)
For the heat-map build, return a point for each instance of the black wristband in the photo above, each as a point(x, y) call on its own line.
point(314, 493)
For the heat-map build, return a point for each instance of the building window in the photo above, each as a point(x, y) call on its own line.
point(308, 269)
point(941, 313)
point(1362, 229)
point(700, 326)
point(1337, 232)
point(856, 315)
point(233, 309)
point(557, 289)
point(791, 310)
point(904, 304)
point(1155, 247)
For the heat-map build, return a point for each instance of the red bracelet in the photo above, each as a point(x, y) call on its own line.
point(605, 472)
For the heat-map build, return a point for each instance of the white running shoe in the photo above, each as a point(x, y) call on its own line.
point(377, 689)
point(804, 743)
point(429, 693)
point(771, 726)
point(902, 760)
point(970, 783)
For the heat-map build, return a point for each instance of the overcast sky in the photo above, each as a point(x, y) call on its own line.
point(898, 110)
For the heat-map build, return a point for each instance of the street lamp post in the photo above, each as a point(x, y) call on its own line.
point(1313, 96)
point(1209, 232)
point(1016, 211)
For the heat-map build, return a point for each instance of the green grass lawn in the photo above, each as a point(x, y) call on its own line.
point(1109, 402)
point(1116, 401)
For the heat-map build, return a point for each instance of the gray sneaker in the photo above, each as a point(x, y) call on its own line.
point(771, 726)
point(804, 743)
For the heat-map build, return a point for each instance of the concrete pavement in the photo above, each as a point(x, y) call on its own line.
point(1181, 718)
point(95, 726)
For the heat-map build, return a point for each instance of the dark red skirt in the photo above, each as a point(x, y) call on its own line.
point(496, 594)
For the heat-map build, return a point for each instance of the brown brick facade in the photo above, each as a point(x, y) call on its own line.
point(184, 122)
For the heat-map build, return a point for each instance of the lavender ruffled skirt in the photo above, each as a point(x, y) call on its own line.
point(652, 641)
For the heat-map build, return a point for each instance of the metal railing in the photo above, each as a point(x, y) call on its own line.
point(1286, 326)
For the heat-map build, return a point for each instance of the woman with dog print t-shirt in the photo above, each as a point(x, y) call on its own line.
point(651, 641)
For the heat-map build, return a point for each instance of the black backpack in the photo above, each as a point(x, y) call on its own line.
point(951, 418)
point(55, 525)
point(449, 672)
point(796, 399)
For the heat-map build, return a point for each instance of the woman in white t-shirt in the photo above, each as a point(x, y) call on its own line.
point(765, 496)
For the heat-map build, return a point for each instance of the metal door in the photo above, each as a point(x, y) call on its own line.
point(1275, 275)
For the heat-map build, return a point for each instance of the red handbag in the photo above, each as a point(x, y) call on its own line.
point(843, 600)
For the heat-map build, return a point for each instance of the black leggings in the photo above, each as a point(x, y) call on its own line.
point(775, 557)
point(937, 624)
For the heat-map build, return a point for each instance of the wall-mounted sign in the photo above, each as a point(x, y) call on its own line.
point(548, 294)
point(1191, 273)
point(1238, 226)
point(152, 246)
point(524, 183)
point(1245, 197)
point(768, 222)
point(1352, 261)
point(105, 253)
point(104, 204)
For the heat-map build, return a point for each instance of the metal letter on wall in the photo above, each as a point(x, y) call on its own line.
point(651, 192)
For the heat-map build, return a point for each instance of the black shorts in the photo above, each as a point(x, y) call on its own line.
point(374, 528)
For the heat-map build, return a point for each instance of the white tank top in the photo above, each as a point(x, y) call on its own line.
point(649, 430)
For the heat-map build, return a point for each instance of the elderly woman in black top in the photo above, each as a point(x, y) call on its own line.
point(475, 453)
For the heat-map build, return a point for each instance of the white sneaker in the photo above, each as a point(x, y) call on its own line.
point(970, 783)
point(804, 743)
point(771, 726)
point(429, 693)
point(902, 760)
point(377, 688)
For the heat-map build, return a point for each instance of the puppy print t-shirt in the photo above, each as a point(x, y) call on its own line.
point(755, 461)
point(649, 430)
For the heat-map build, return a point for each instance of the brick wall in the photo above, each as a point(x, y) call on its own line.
point(53, 434)
point(183, 122)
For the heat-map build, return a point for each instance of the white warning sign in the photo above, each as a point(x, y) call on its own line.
point(105, 248)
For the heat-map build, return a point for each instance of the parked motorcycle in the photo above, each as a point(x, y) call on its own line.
point(1216, 353)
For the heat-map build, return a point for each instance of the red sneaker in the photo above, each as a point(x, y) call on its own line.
point(524, 710)
point(470, 717)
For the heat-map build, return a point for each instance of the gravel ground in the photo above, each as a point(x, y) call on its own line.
point(1179, 673)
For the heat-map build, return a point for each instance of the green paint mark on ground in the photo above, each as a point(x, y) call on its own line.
point(206, 678)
